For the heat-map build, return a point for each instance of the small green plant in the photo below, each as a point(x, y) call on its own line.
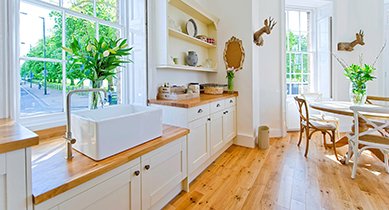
point(98, 60)
point(230, 78)
point(359, 75)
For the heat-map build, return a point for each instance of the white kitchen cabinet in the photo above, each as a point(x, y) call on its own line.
point(229, 124)
point(212, 129)
point(163, 171)
point(121, 192)
point(216, 132)
point(198, 143)
point(13, 179)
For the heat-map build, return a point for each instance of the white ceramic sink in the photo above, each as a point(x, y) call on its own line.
point(105, 132)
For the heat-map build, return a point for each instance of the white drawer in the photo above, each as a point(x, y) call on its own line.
point(229, 102)
point(198, 112)
point(217, 106)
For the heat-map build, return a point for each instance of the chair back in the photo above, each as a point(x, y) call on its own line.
point(311, 98)
point(303, 109)
point(378, 125)
point(377, 100)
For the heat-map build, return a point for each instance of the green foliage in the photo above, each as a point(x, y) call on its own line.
point(359, 75)
point(297, 62)
point(98, 59)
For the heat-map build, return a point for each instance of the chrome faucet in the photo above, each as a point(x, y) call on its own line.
point(68, 134)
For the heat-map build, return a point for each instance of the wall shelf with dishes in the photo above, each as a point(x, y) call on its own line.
point(190, 39)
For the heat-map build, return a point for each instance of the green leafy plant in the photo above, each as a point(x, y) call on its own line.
point(359, 75)
point(230, 78)
point(98, 60)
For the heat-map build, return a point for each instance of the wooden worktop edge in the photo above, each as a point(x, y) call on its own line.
point(122, 158)
point(14, 136)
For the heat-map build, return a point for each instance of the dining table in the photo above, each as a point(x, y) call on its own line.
point(343, 108)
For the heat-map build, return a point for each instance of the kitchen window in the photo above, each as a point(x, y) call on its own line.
point(45, 74)
point(299, 53)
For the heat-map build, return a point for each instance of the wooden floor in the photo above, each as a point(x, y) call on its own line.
point(282, 178)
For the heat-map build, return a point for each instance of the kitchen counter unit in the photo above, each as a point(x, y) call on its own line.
point(14, 136)
point(53, 175)
point(203, 99)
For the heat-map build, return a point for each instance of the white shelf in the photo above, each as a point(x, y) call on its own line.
point(195, 10)
point(187, 68)
point(193, 40)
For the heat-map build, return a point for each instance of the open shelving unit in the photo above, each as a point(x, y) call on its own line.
point(178, 42)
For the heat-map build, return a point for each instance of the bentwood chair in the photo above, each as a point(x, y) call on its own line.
point(376, 137)
point(378, 100)
point(311, 126)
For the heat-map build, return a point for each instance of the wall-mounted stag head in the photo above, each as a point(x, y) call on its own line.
point(349, 46)
point(267, 28)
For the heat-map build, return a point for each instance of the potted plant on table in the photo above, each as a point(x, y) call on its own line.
point(359, 75)
point(98, 60)
point(230, 79)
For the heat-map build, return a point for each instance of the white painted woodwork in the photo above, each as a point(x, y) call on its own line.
point(13, 180)
point(216, 132)
point(198, 112)
point(198, 143)
point(229, 124)
point(206, 139)
point(115, 192)
point(162, 171)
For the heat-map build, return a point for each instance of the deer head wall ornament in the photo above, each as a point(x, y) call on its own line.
point(267, 28)
point(349, 46)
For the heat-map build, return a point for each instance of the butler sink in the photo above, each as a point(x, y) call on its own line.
point(105, 132)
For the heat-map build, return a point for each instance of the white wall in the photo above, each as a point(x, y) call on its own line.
point(3, 86)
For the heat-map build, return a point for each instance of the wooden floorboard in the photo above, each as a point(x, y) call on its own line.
point(282, 178)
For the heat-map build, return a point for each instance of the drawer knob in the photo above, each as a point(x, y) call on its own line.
point(231, 101)
point(218, 105)
point(200, 111)
point(209, 119)
point(147, 167)
point(226, 112)
point(137, 173)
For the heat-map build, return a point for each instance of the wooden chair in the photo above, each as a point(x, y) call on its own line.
point(310, 126)
point(372, 99)
point(374, 138)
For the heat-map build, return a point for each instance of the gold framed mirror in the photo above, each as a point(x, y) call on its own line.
point(234, 54)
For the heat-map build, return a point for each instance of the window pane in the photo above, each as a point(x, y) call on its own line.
point(306, 63)
point(81, 6)
point(107, 10)
point(40, 32)
point(304, 42)
point(79, 29)
point(55, 2)
point(108, 32)
point(293, 42)
point(294, 21)
point(304, 21)
point(295, 89)
point(40, 94)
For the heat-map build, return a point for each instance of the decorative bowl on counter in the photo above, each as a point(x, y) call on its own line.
point(214, 89)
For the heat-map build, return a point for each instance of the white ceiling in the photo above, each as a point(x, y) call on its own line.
point(308, 3)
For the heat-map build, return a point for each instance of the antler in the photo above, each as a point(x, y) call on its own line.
point(362, 33)
point(271, 23)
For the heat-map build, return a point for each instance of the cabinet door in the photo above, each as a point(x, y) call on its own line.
point(162, 171)
point(2, 182)
point(229, 124)
point(121, 192)
point(198, 143)
point(216, 132)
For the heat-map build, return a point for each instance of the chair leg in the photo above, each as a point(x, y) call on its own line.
point(301, 136)
point(334, 144)
point(307, 145)
point(355, 164)
point(324, 140)
point(349, 153)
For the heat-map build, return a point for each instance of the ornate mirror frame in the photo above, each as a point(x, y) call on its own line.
point(234, 54)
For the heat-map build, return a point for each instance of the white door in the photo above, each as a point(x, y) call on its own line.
point(216, 132)
point(324, 69)
point(162, 171)
point(198, 143)
point(229, 124)
point(121, 192)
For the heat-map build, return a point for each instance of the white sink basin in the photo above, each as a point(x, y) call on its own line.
point(105, 132)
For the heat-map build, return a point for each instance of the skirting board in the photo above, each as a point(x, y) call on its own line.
point(245, 141)
point(275, 133)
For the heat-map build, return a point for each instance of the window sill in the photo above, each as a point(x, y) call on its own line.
point(42, 122)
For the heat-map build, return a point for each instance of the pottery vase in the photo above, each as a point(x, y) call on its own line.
point(192, 58)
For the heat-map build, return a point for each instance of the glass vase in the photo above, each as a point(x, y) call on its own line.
point(230, 85)
point(358, 94)
point(95, 96)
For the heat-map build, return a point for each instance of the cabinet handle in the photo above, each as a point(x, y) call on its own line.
point(218, 105)
point(209, 119)
point(200, 111)
point(147, 167)
point(231, 101)
point(137, 173)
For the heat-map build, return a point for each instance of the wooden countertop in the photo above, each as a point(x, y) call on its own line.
point(203, 99)
point(14, 136)
point(53, 175)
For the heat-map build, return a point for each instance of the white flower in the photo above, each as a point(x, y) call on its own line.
point(106, 53)
point(89, 47)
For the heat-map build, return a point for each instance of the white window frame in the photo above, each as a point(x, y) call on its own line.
point(311, 50)
point(10, 106)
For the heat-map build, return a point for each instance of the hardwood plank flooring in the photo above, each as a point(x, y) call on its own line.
point(282, 178)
